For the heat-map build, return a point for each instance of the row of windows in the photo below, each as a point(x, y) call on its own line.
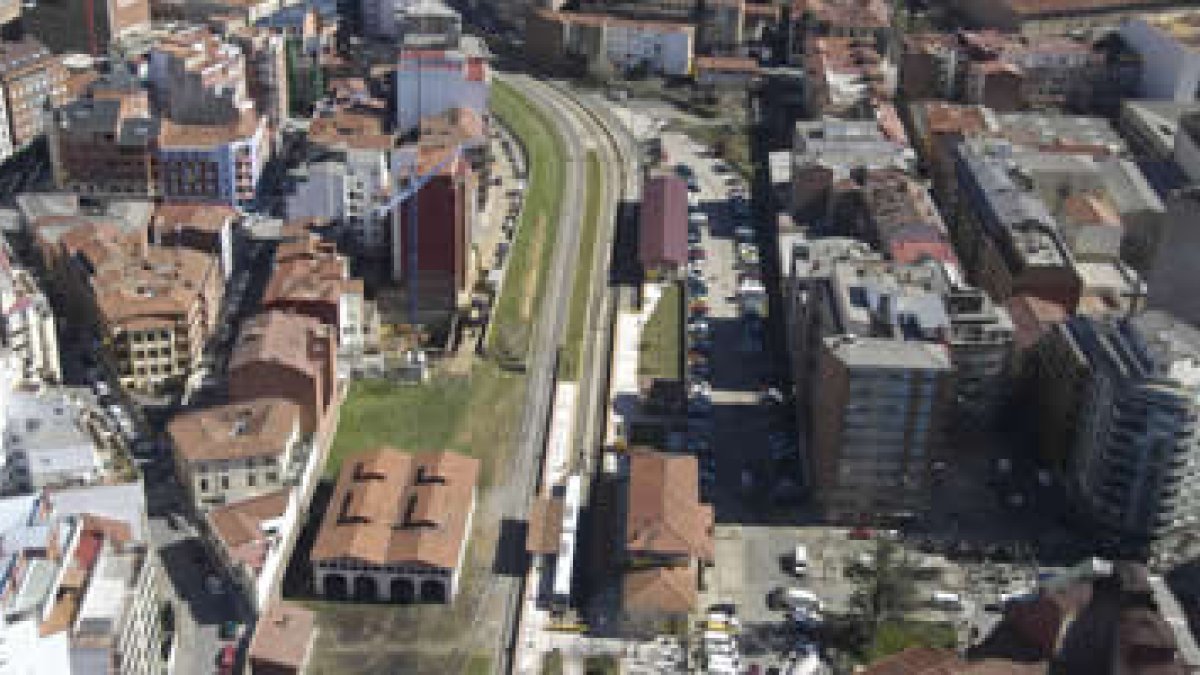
point(270, 478)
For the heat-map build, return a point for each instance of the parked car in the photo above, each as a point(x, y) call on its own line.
point(697, 253)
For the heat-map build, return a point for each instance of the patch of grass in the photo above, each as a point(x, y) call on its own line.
point(896, 636)
point(601, 664)
point(552, 663)
point(529, 263)
point(477, 414)
point(478, 664)
point(662, 341)
point(582, 285)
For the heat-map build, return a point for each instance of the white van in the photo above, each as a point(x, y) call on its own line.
point(800, 560)
point(800, 598)
point(945, 600)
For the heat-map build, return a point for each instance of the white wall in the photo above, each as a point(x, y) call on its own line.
point(1171, 70)
point(435, 89)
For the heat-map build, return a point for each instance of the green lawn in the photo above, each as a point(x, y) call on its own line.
point(582, 285)
point(512, 323)
point(477, 414)
point(662, 340)
point(896, 636)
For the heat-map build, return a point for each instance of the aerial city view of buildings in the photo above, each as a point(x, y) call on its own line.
point(600, 336)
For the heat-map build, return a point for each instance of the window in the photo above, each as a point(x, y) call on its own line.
point(272, 477)
point(224, 482)
point(251, 480)
point(204, 485)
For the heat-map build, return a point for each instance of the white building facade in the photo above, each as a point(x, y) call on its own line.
point(433, 81)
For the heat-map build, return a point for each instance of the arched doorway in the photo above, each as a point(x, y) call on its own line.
point(335, 586)
point(433, 591)
point(403, 591)
point(365, 588)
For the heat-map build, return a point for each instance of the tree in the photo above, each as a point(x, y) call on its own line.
point(885, 586)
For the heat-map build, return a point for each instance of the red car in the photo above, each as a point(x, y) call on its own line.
point(697, 254)
point(698, 309)
point(228, 659)
point(861, 532)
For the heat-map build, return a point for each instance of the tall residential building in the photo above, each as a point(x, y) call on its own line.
point(85, 26)
point(288, 356)
point(105, 147)
point(847, 77)
point(198, 78)
point(1129, 386)
point(84, 592)
point(433, 81)
point(267, 82)
point(1170, 49)
point(604, 43)
point(852, 317)
point(33, 81)
point(153, 308)
point(213, 163)
point(27, 322)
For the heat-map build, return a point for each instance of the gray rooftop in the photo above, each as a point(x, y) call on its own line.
point(124, 502)
point(887, 354)
point(1066, 129)
point(129, 215)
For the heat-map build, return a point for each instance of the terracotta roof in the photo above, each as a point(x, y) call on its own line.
point(204, 217)
point(846, 13)
point(283, 637)
point(281, 338)
point(356, 129)
point(917, 661)
point(310, 280)
point(173, 136)
point(1034, 8)
point(544, 526)
point(392, 507)
point(729, 64)
point(598, 20)
point(664, 515)
point(1090, 209)
point(259, 428)
point(238, 523)
point(945, 118)
point(660, 590)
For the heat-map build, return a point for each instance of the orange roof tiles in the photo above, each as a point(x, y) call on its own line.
point(392, 507)
point(660, 590)
point(255, 429)
point(205, 217)
point(173, 135)
point(280, 338)
point(283, 637)
point(664, 515)
point(730, 64)
point(240, 526)
point(544, 526)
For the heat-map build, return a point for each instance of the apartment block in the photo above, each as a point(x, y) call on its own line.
point(867, 20)
point(603, 43)
point(1169, 47)
point(397, 527)
point(348, 177)
point(84, 592)
point(433, 81)
point(878, 424)
point(1056, 17)
point(85, 26)
point(27, 322)
point(847, 77)
point(50, 442)
point(105, 146)
point(937, 130)
point(209, 229)
point(1128, 388)
point(283, 640)
point(267, 79)
point(1101, 209)
point(213, 163)
point(896, 214)
point(290, 356)
point(198, 78)
point(828, 151)
point(312, 279)
point(154, 308)
point(1008, 71)
point(237, 451)
point(32, 79)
